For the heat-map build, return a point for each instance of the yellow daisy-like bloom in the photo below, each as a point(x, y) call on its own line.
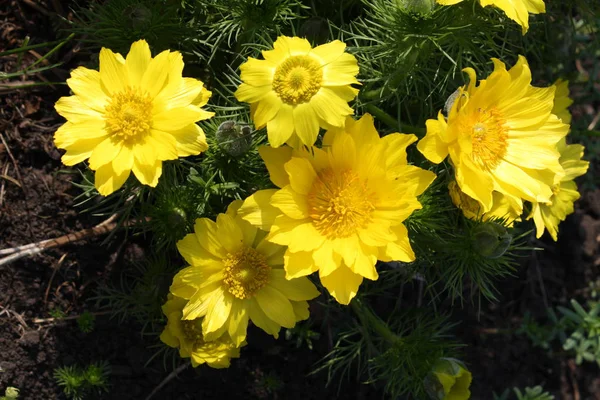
point(235, 275)
point(131, 115)
point(186, 335)
point(562, 101)
point(296, 89)
point(501, 136)
point(517, 10)
point(339, 209)
point(501, 207)
point(548, 215)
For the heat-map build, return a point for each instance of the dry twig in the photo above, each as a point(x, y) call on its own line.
point(168, 379)
point(15, 253)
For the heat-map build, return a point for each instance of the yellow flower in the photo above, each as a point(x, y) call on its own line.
point(132, 115)
point(548, 215)
point(501, 136)
point(339, 209)
point(501, 207)
point(449, 380)
point(517, 10)
point(297, 89)
point(562, 101)
point(186, 335)
point(236, 275)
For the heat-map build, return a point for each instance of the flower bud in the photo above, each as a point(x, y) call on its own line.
point(491, 239)
point(234, 138)
point(448, 380)
point(422, 7)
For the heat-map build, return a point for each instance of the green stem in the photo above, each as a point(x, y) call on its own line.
point(369, 319)
point(382, 116)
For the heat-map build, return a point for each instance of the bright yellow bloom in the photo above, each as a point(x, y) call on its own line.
point(340, 208)
point(517, 10)
point(549, 215)
point(236, 275)
point(501, 207)
point(562, 101)
point(297, 89)
point(501, 136)
point(132, 115)
point(186, 335)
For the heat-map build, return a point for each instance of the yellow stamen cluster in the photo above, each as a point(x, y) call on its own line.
point(488, 137)
point(339, 203)
point(129, 115)
point(297, 79)
point(246, 272)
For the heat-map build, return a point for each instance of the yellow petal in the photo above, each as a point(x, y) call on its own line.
point(91, 130)
point(137, 61)
point(156, 73)
point(107, 181)
point(280, 128)
point(274, 159)
point(291, 203)
point(342, 284)
point(176, 118)
point(306, 123)
point(206, 231)
point(75, 110)
point(251, 94)
point(147, 174)
point(164, 143)
point(85, 83)
point(104, 153)
point(341, 71)
point(266, 109)
point(299, 264)
point(301, 174)
point(257, 72)
point(292, 45)
point(400, 249)
point(238, 322)
point(330, 108)
point(123, 162)
point(257, 209)
point(229, 233)
point(260, 319)
point(112, 71)
point(191, 140)
point(193, 252)
point(329, 52)
point(276, 306)
point(294, 289)
point(432, 146)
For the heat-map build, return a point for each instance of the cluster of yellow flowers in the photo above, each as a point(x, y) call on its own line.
point(336, 209)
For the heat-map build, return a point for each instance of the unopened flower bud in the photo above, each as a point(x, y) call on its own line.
point(422, 7)
point(491, 239)
point(448, 380)
point(234, 138)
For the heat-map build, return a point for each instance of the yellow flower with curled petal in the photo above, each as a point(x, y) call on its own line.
point(517, 10)
point(339, 209)
point(186, 335)
point(549, 215)
point(501, 207)
point(131, 115)
point(501, 137)
point(296, 89)
point(235, 275)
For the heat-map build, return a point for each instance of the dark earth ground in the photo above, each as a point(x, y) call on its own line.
point(38, 203)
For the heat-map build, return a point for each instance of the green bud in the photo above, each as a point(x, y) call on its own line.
point(11, 393)
point(491, 239)
point(234, 138)
point(448, 380)
point(139, 14)
point(422, 7)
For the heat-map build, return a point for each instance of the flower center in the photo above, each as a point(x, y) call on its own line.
point(488, 137)
point(339, 203)
point(128, 116)
point(297, 79)
point(246, 272)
